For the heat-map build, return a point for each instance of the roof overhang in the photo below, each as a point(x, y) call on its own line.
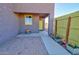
point(43, 15)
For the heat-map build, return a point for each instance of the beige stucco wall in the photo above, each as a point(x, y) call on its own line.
point(35, 23)
point(34, 7)
point(37, 8)
point(8, 22)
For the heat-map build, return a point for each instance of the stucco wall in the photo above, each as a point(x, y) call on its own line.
point(34, 7)
point(8, 22)
point(35, 23)
point(37, 8)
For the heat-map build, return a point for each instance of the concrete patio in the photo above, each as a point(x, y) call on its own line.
point(24, 44)
point(32, 44)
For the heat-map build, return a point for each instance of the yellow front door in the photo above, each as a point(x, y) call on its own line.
point(40, 24)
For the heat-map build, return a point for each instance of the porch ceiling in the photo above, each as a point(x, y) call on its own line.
point(40, 14)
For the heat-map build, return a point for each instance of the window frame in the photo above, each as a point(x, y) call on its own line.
point(28, 23)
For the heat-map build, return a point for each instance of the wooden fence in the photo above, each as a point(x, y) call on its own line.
point(68, 30)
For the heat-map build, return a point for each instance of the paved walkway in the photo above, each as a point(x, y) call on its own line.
point(24, 44)
point(32, 44)
point(52, 47)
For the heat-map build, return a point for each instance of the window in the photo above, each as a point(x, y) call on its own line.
point(28, 20)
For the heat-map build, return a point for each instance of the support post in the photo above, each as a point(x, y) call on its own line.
point(68, 29)
point(55, 27)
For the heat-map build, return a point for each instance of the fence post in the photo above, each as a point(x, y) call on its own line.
point(68, 29)
point(55, 27)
